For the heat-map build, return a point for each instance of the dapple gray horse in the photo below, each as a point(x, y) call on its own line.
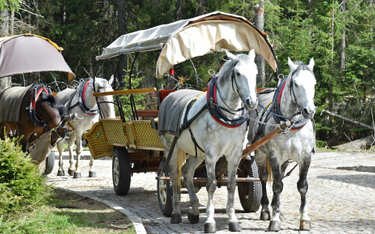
point(293, 100)
point(217, 131)
point(82, 104)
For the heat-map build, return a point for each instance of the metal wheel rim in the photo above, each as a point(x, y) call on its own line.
point(163, 191)
point(116, 171)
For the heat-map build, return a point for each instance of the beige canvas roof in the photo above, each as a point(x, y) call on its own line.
point(29, 53)
point(185, 39)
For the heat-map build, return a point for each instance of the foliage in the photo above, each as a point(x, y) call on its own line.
point(21, 186)
point(299, 29)
point(9, 4)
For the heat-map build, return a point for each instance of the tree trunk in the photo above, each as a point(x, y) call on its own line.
point(202, 7)
point(4, 23)
point(259, 23)
point(342, 42)
point(122, 29)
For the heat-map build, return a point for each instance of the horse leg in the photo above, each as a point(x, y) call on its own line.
point(60, 147)
point(77, 172)
point(233, 163)
point(260, 160)
point(173, 174)
point(92, 173)
point(71, 157)
point(277, 187)
point(302, 185)
point(188, 170)
point(210, 224)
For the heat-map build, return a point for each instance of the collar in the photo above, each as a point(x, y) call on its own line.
point(301, 121)
point(214, 108)
point(82, 103)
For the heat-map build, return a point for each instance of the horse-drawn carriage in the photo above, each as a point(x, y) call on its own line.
point(32, 109)
point(135, 146)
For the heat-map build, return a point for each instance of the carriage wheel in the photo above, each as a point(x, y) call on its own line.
point(250, 194)
point(121, 171)
point(165, 192)
point(50, 163)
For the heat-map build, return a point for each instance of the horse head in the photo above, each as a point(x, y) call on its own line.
point(102, 85)
point(47, 110)
point(244, 71)
point(303, 86)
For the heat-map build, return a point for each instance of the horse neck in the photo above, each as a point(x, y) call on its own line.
point(287, 106)
point(90, 100)
point(107, 106)
point(228, 95)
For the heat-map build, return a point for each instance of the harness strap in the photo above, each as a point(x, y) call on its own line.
point(215, 109)
point(299, 123)
point(82, 104)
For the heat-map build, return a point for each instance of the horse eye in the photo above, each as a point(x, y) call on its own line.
point(238, 74)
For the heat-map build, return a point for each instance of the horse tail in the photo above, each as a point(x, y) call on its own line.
point(181, 160)
point(269, 170)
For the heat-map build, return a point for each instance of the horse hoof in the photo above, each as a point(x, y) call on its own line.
point(265, 215)
point(176, 218)
point(209, 227)
point(77, 175)
point(305, 225)
point(274, 226)
point(234, 227)
point(71, 172)
point(92, 174)
point(193, 218)
point(60, 173)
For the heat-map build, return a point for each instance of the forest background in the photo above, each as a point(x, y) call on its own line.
point(338, 34)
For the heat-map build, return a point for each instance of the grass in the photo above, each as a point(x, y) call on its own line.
point(69, 213)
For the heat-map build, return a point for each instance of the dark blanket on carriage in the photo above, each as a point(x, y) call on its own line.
point(171, 109)
point(10, 103)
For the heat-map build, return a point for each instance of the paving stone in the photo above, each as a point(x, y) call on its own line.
point(340, 199)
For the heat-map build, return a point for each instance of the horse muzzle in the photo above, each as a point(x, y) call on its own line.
point(251, 103)
point(308, 113)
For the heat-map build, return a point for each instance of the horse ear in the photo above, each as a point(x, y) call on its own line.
point(292, 66)
point(111, 80)
point(252, 54)
point(311, 63)
point(230, 55)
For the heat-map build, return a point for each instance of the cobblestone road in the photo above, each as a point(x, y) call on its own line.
point(340, 200)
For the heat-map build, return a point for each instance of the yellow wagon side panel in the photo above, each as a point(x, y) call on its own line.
point(97, 142)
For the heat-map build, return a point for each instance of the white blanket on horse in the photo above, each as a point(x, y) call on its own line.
point(264, 98)
point(10, 103)
point(171, 109)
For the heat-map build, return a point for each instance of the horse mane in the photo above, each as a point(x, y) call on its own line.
point(301, 66)
point(227, 68)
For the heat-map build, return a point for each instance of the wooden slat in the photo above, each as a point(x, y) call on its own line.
point(254, 146)
point(130, 91)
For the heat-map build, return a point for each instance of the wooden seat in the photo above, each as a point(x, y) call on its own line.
point(146, 114)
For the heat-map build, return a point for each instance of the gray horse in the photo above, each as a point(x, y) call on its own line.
point(293, 100)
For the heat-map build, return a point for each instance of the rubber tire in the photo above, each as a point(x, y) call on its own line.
point(165, 204)
point(121, 171)
point(252, 190)
point(50, 163)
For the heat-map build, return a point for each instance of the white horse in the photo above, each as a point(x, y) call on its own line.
point(293, 100)
point(213, 133)
point(82, 104)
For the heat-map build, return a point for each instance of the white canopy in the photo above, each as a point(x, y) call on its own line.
point(189, 38)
